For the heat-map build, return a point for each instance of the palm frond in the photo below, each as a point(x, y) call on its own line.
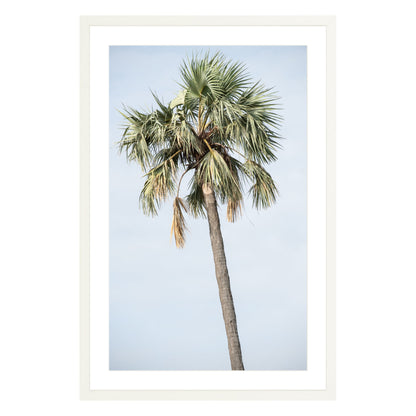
point(214, 170)
point(178, 223)
point(195, 200)
point(234, 80)
point(134, 141)
point(264, 190)
point(234, 210)
point(160, 183)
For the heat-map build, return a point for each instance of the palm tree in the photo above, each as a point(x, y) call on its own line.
point(222, 128)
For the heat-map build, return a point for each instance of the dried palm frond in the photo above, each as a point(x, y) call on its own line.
point(178, 223)
point(233, 210)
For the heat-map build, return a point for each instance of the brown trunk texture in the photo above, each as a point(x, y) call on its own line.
point(223, 279)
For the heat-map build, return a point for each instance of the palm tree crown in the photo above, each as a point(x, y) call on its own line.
point(222, 126)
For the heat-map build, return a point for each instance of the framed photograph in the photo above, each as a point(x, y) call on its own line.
point(207, 208)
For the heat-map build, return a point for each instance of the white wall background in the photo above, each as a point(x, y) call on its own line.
point(39, 210)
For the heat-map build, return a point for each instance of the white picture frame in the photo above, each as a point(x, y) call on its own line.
point(88, 313)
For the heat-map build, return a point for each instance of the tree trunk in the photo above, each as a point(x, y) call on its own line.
point(223, 279)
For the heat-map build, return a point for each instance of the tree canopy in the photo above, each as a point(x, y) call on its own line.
point(222, 127)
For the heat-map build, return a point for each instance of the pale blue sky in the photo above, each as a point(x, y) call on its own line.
point(165, 312)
